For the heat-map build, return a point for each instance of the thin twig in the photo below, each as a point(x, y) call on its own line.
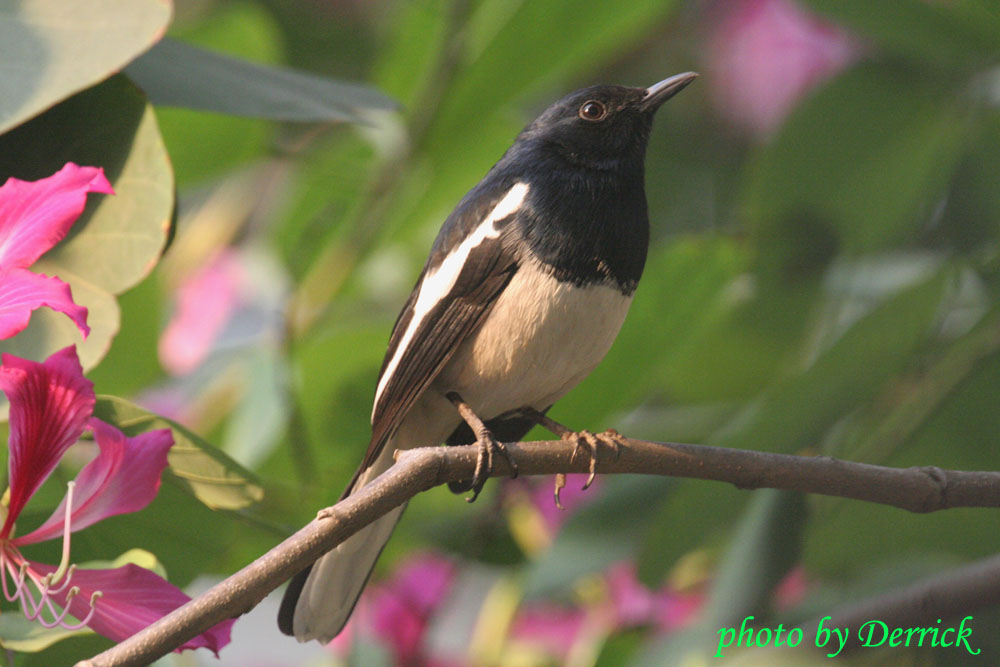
point(922, 489)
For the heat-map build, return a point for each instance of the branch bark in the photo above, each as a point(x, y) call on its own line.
point(921, 489)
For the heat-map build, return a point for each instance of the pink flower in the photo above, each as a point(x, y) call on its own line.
point(35, 216)
point(791, 590)
point(572, 497)
point(633, 604)
point(50, 407)
point(204, 303)
point(404, 605)
point(551, 628)
point(764, 55)
point(673, 611)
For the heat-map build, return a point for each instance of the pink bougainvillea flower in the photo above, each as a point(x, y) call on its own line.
point(35, 216)
point(791, 590)
point(50, 408)
point(550, 628)
point(673, 610)
point(398, 611)
point(764, 55)
point(402, 606)
point(572, 497)
point(203, 304)
point(633, 604)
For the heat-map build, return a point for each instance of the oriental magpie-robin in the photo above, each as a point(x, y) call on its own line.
point(525, 289)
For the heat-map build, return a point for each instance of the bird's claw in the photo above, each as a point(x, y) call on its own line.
point(560, 484)
point(586, 440)
point(489, 447)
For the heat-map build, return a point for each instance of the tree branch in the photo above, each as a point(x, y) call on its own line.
point(952, 595)
point(923, 489)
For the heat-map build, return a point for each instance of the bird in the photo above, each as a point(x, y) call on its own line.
point(524, 291)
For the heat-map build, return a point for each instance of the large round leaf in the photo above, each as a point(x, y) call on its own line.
point(53, 48)
point(118, 239)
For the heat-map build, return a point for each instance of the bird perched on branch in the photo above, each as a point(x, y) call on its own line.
point(525, 289)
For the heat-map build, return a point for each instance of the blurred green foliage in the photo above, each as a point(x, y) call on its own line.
point(830, 287)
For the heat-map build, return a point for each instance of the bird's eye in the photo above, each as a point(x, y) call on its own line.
point(593, 110)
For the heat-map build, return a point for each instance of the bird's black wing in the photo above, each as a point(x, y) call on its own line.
point(418, 351)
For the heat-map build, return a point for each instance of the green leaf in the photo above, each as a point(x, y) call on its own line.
point(335, 374)
point(796, 412)
point(177, 74)
point(257, 422)
point(204, 145)
point(17, 633)
point(196, 466)
point(408, 60)
point(119, 238)
point(766, 544)
point(331, 184)
point(855, 164)
point(515, 47)
point(52, 48)
point(971, 216)
point(957, 434)
point(966, 32)
point(889, 427)
point(139, 557)
point(142, 309)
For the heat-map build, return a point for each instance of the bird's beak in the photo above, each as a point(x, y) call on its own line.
point(660, 92)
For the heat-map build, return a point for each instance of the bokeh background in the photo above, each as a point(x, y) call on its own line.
point(823, 279)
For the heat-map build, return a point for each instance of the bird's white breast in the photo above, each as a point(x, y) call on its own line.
point(540, 340)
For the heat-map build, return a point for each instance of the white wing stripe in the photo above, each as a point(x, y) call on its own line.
point(437, 284)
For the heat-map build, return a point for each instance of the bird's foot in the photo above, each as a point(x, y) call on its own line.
point(489, 448)
point(593, 442)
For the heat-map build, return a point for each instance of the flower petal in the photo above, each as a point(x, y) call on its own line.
point(404, 605)
point(549, 627)
point(34, 216)
point(124, 477)
point(632, 603)
point(49, 407)
point(204, 303)
point(22, 291)
point(132, 598)
point(765, 55)
point(572, 498)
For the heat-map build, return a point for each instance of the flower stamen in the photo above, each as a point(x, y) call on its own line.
point(64, 561)
point(22, 572)
point(59, 617)
point(94, 597)
point(37, 593)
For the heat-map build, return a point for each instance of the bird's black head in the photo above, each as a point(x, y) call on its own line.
point(601, 127)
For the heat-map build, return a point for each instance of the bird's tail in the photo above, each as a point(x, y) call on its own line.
point(320, 599)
